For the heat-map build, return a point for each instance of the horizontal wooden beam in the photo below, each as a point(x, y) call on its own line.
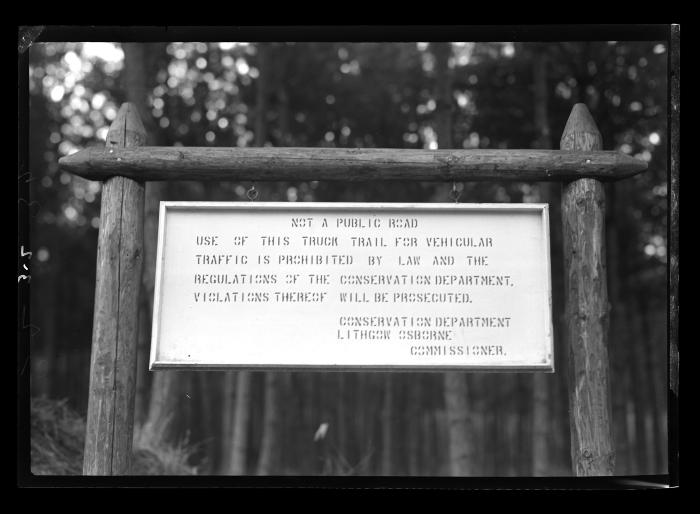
point(350, 164)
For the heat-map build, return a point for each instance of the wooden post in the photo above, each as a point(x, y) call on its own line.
point(583, 218)
point(110, 416)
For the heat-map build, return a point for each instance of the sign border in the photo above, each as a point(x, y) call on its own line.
point(166, 206)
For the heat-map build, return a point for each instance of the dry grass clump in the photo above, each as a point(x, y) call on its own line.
point(58, 437)
point(151, 458)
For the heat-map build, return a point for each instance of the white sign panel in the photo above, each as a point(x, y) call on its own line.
point(353, 286)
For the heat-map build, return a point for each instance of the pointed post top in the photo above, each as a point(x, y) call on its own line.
point(127, 129)
point(581, 133)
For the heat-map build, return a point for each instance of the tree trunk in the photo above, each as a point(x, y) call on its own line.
point(413, 426)
point(362, 426)
point(239, 448)
point(540, 426)
point(524, 395)
point(427, 447)
point(619, 353)
point(153, 195)
point(455, 384)
point(340, 417)
point(542, 383)
point(479, 409)
point(270, 432)
point(228, 401)
point(639, 395)
point(206, 388)
point(458, 424)
point(387, 425)
point(443, 94)
point(159, 425)
point(268, 461)
point(654, 433)
point(499, 392)
point(241, 417)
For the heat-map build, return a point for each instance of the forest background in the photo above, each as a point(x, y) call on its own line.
point(393, 95)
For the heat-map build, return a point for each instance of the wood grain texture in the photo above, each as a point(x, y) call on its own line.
point(110, 415)
point(351, 164)
point(583, 218)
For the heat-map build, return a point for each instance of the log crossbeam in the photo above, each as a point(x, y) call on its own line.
point(156, 163)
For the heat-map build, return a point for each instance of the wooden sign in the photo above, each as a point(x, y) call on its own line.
point(353, 286)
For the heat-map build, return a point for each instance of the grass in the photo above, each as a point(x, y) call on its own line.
point(58, 438)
